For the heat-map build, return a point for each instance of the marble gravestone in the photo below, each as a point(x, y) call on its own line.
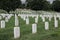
point(50, 17)
point(55, 17)
point(24, 17)
point(21, 16)
point(36, 19)
point(16, 21)
point(16, 32)
point(56, 23)
point(2, 24)
point(3, 15)
point(46, 26)
point(27, 20)
point(34, 28)
point(6, 19)
point(43, 18)
point(10, 16)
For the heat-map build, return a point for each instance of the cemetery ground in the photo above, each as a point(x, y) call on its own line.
point(26, 30)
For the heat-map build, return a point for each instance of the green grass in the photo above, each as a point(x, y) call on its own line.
point(26, 30)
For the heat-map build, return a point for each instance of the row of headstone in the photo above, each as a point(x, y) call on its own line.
point(31, 15)
point(27, 22)
point(2, 22)
point(36, 20)
point(34, 28)
point(23, 16)
point(7, 17)
point(17, 30)
point(36, 17)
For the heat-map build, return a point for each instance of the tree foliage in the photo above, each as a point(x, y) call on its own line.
point(9, 4)
point(56, 5)
point(38, 5)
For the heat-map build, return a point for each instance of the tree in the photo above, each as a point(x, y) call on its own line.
point(46, 5)
point(56, 6)
point(38, 5)
point(9, 4)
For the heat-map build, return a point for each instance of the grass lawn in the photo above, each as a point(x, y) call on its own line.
point(26, 30)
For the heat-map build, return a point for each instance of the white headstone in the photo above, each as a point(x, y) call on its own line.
point(36, 19)
point(46, 26)
point(3, 15)
point(27, 20)
point(56, 23)
point(34, 28)
point(19, 15)
point(55, 17)
point(32, 16)
point(16, 32)
point(6, 19)
point(43, 18)
point(16, 20)
point(50, 18)
point(2, 24)
point(10, 16)
point(40, 15)
point(23, 17)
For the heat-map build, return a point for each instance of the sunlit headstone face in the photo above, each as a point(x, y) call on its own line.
point(23, 1)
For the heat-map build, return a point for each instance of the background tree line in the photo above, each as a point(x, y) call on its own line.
point(11, 5)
